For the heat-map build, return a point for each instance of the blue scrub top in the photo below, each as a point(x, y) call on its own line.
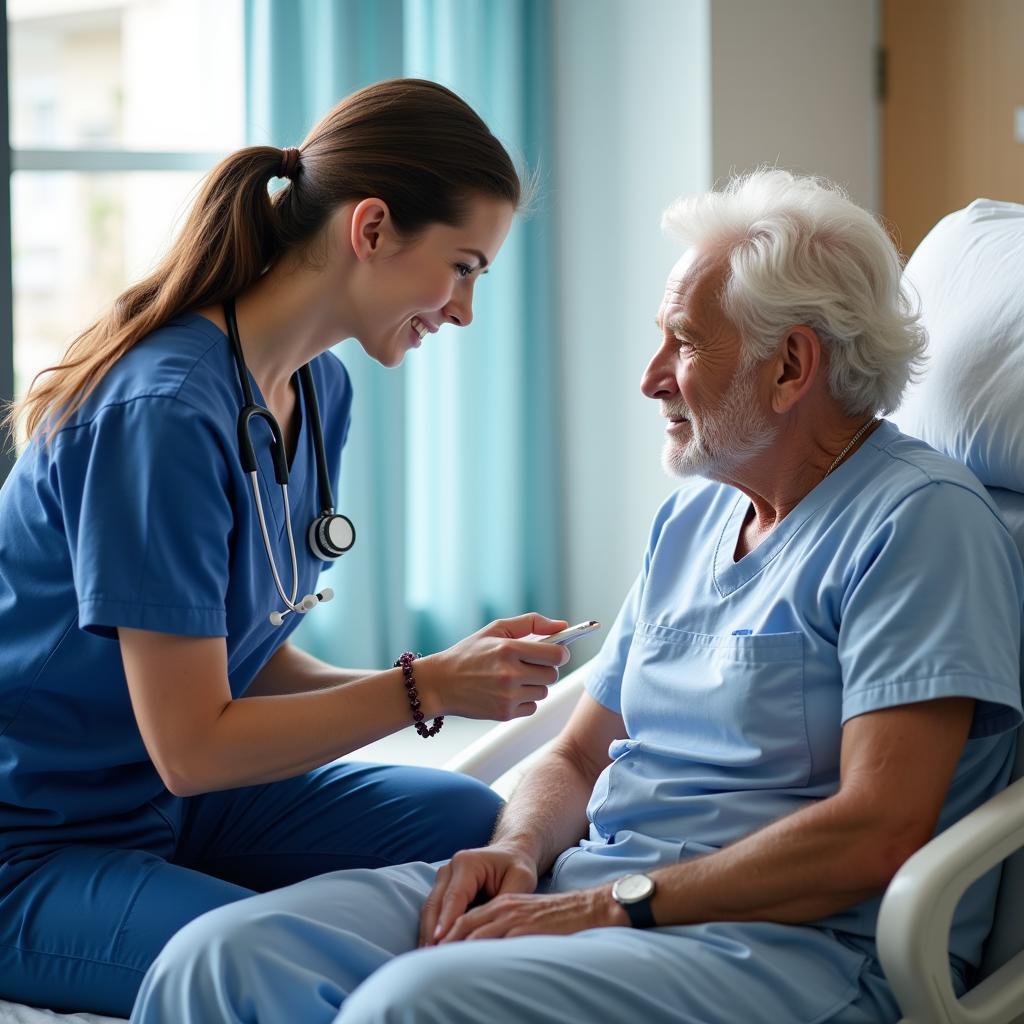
point(894, 581)
point(139, 514)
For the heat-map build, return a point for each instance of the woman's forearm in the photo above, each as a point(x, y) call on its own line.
point(292, 670)
point(201, 738)
point(265, 738)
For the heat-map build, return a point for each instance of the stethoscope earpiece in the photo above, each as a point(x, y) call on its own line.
point(331, 534)
point(308, 603)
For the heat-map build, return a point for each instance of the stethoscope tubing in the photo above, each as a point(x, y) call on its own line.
point(326, 549)
point(289, 602)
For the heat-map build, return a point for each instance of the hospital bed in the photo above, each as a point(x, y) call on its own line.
point(969, 404)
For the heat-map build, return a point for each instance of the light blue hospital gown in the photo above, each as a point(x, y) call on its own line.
point(892, 582)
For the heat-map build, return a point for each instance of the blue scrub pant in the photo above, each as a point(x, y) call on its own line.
point(81, 929)
point(340, 949)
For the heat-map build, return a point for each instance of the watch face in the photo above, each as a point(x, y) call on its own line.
point(632, 888)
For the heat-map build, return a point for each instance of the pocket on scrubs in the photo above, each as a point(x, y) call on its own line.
point(556, 868)
point(730, 706)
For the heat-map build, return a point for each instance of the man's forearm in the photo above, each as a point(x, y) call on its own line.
point(547, 812)
point(808, 865)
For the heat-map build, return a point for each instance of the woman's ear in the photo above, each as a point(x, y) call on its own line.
point(797, 364)
point(371, 221)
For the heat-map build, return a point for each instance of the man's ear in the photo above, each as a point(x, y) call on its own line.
point(371, 219)
point(796, 367)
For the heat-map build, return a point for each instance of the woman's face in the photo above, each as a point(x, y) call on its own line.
point(408, 289)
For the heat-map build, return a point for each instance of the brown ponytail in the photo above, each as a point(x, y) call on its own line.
point(412, 143)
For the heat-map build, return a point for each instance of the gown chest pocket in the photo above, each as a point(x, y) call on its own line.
point(731, 708)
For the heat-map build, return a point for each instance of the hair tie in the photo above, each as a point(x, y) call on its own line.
point(289, 162)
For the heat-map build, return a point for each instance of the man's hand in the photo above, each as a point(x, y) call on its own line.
point(531, 914)
point(491, 871)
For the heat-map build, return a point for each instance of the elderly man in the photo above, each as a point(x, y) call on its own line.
point(816, 669)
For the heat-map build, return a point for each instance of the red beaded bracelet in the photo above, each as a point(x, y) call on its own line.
point(405, 664)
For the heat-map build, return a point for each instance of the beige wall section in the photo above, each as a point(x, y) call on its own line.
point(955, 78)
point(916, 133)
point(793, 83)
point(1007, 155)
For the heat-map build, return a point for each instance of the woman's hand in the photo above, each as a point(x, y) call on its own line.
point(489, 675)
point(491, 871)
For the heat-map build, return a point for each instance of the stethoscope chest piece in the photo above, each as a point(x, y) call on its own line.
point(331, 535)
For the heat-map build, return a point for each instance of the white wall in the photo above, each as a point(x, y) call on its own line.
point(793, 83)
point(632, 111)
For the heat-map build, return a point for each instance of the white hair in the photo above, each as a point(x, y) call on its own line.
point(799, 251)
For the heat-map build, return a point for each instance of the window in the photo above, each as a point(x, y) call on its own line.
point(117, 110)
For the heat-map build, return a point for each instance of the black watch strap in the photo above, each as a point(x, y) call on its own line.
point(639, 913)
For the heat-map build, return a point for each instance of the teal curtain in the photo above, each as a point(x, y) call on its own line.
point(451, 469)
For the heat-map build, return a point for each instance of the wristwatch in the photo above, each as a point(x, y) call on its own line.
point(633, 893)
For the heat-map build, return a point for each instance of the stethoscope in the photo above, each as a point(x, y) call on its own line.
point(331, 534)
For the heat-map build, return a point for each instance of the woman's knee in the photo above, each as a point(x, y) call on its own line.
point(461, 813)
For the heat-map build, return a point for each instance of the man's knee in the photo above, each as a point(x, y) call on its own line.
point(217, 961)
point(199, 952)
point(442, 985)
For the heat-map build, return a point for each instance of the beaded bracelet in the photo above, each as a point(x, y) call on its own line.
point(405, 664)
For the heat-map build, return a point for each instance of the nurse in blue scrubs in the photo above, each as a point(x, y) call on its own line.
point(164, 748)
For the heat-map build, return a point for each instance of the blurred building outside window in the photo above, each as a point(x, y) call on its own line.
point(117, 110)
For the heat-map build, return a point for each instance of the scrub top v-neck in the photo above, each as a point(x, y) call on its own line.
point(729, 573)
point(138, 514)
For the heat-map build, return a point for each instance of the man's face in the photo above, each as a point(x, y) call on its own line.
point(717, 416)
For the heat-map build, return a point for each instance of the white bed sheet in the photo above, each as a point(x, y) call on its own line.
point(15, 1013)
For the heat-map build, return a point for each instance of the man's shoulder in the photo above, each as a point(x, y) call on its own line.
point(906, 471)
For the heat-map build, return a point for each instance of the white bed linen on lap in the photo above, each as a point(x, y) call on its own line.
point(15, 1013)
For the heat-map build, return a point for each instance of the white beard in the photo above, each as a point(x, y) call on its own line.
point(726, 436)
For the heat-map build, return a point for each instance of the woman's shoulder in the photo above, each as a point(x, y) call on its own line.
point(183, 359)
point(185, 363)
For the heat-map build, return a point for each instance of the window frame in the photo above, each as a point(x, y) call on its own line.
point(7, 288)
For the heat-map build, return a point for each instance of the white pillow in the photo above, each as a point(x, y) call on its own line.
point(969, 274)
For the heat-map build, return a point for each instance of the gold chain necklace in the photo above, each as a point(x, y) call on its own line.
point(853, 440)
